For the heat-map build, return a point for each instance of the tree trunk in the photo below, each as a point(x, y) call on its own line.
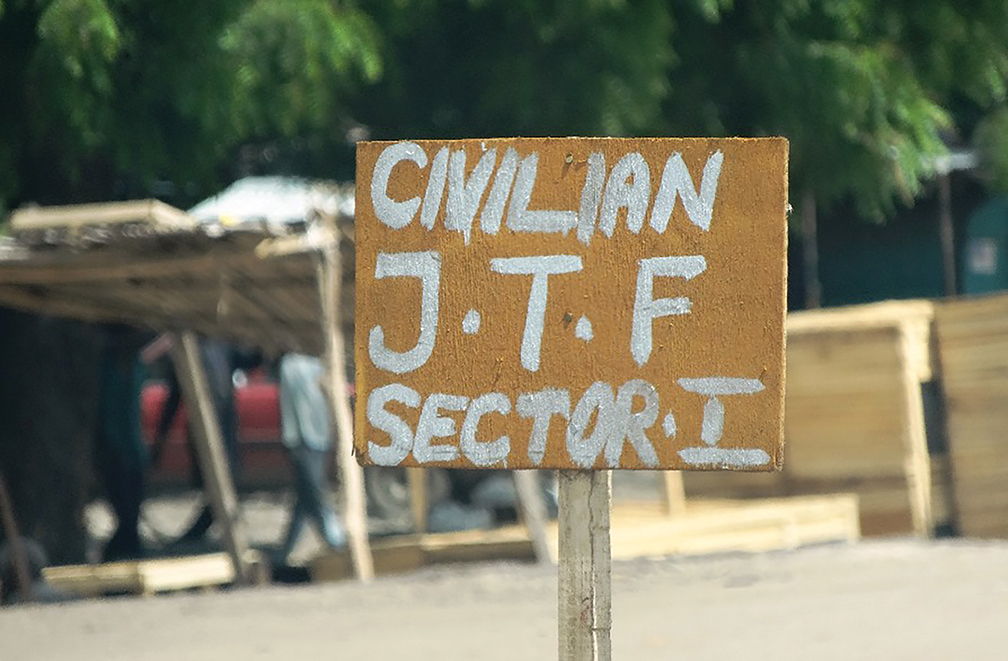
point(48, 411)
point(810, 251)
point(947, 233)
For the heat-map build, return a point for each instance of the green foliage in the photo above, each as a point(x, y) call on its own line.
point(860, 88)
point(103, 97)
point(991, 141)
point(506, 67)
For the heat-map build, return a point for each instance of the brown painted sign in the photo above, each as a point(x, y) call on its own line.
point(571, 303)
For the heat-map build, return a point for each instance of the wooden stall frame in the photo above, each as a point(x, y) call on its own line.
point(352, 475)
point(210, 452)
point(19, 560)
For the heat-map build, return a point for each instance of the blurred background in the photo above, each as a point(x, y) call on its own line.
point(897, 117)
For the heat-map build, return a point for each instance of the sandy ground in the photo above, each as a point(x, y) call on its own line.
point(874, 600)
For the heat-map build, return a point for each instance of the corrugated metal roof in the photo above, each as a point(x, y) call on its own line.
point(274, 201)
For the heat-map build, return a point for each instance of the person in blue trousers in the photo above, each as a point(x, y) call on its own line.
point(307, 436)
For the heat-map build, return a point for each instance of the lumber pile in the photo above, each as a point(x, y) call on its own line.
point(638, 530)
point(973, 337)
point(147, 577)
point(854, 418)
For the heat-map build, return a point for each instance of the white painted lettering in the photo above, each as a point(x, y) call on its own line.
point(435, 188)
point(464, 196)
point(712, 425)
point(591, 196)
point(540, 267)
point(485, 453)
point(676, 182)
point(520, 218)
point(629, 187)
point(630, 425)
point(493, 210)
point(392, 213)
point(541, 407)
point(400, 434)
point(713, 387)
point(433, 425)
point(427, 267)
point(647, 309)
point(598, 399)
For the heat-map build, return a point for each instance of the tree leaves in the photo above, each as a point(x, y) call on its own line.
point(103, 97)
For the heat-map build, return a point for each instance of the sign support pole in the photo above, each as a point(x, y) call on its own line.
point(585, 566)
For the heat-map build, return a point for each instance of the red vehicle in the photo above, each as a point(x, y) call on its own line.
point(264, 463)
point(263, 460)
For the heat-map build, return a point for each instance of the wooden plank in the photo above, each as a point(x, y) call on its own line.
point(533, 513)
point(638, 529)
point(217, 479)
point(584, 574)
point(746, 527)
point(416, 478)
point(389, 557)
point(974, 361)
point(107, 213)
point(855, 417)
point(97, 268)
point(352, 482)
point(18, 559)
point(917, 466)
point(674, 493)
point(146, 576)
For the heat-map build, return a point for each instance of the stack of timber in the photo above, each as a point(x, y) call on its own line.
point(147, 577)
point(638, 529)
point(973, 338)
point(854, 418)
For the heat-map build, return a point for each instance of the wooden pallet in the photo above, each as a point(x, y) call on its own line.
point(638, 530)
point(973, 340)
point(854, 417)
point(146, 577)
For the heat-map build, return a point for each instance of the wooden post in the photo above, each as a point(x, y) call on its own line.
point(810, 251)
point(417, 480)
point(585, 569)
point(675, 493)
point(22, 576)
point(947, 233)
point(210, 451)
point(917, 465)
point(533, 513)
point(353, 500)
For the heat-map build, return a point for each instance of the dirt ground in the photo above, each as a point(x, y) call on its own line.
point(889, 600)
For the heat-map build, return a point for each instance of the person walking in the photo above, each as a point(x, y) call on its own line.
point(307, 436)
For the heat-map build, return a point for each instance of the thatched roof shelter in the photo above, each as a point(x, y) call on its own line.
point(148, 264)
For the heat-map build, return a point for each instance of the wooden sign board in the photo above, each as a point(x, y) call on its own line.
point(571, 303)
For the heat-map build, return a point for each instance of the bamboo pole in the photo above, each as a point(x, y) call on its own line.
point(352, 494)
